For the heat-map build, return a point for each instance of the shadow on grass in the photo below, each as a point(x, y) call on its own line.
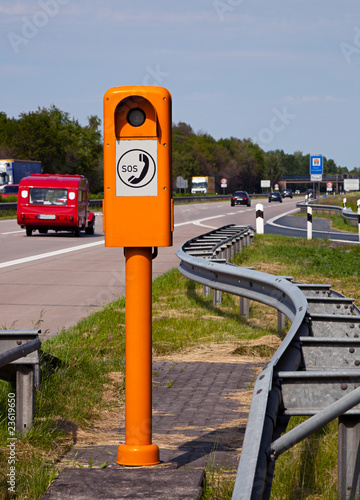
point(206, 303)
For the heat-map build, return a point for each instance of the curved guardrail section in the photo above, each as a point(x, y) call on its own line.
point(314, 371)
point(271, 290)
point(347, 213)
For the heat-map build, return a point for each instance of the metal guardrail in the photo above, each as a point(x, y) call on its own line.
point(347, 213)
point(19, 352)
point(20, 364)
point(314, 372)
point(8, 206)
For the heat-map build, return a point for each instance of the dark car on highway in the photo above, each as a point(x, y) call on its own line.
point(287, 193)
point(240, 198)
point(275, 197)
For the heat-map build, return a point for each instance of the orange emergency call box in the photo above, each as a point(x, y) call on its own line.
point(138, 207)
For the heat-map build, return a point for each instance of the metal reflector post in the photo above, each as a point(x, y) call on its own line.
point(309, 223)
point(138, 448)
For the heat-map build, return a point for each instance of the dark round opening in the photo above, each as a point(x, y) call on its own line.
point(136, 117)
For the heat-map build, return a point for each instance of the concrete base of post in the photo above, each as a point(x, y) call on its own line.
point(138, 455)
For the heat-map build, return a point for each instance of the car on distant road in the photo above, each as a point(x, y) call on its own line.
point(276, 196)
point(287, 193)
point(240, 198)
point(310, 193)
point(10, 190)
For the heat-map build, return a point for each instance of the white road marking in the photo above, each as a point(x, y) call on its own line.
point(13, 232)
point(49, 254)
point(272, 223)
point(198, 221)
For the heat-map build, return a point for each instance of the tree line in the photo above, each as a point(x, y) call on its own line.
point(243, 163)
point(64, 146)
point(61, 144)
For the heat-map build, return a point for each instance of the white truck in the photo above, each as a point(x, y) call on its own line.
point(12, 171)
point(202, 185)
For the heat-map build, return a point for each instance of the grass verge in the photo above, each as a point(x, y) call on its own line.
point(71, 394)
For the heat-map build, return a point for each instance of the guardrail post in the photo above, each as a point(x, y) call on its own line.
point(206, 291)
point(259, 218)
point(309, 223)
point(232, 249)
point(237, 247)
point(217, 297)
point(281, 321)
point(24, 397)
point(348, 457)
point(244, 307)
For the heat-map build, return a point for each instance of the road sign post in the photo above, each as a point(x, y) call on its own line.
point(138, 215)
point(309, 223)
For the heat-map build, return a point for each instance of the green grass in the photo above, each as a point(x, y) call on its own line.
point(8, 214)
point(337, 200)
point(309, 469)
point(71, 395)
point(218, 483)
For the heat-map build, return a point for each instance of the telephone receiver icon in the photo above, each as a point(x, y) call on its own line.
point(135, 180)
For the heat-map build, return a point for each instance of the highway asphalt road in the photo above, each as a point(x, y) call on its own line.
point(297, 226)
point(52, 281)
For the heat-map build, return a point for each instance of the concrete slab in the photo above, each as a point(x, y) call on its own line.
point(125, 483)
point(198, 423)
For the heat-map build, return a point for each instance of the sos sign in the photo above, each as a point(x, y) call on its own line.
point(138, 208)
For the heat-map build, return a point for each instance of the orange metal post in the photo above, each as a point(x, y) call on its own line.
point(138, 448)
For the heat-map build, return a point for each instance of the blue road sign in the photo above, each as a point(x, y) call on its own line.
point(316, 165)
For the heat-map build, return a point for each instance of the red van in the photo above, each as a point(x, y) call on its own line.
point(57, 202)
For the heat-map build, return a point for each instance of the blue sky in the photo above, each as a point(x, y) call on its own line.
point(285, 73)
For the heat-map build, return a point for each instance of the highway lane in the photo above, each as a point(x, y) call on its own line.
point(51, 281)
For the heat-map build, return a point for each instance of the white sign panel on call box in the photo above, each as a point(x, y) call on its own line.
point(136, 168)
